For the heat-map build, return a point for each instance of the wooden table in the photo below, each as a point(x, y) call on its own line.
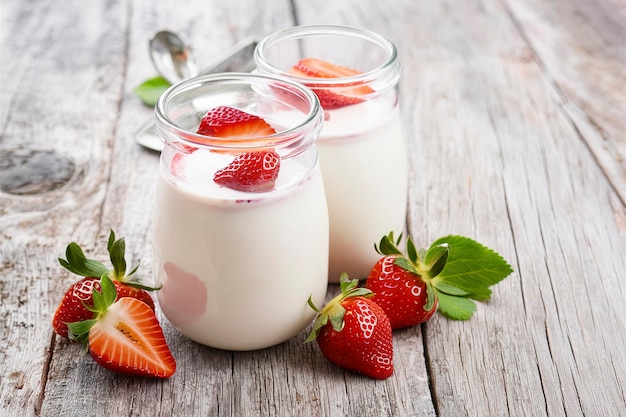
point(515, 112)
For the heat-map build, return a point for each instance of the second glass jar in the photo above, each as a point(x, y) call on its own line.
point(362, 146)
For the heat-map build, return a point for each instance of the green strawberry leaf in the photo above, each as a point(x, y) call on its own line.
point(116, 253)
point(111, 240)
point(431, 294)
point(407, 265)
point(78, 263)
point(411, 251)
point(388, 246)
point(470, 267)
point(117, 250)
point(150, 90)
point(436, 259)
point(346, 284)
point(79, 331)
point(455, 308)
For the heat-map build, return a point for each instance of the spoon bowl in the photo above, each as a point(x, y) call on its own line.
point(171, 57)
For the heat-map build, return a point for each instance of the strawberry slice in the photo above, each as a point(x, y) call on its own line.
point(125, 335)
point(339, 96)
point(225, 122)
point(317, 68)
point(72, 307)
point(250, 171)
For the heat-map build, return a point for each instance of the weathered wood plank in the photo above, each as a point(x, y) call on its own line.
point(56, 76)
point(582, 46)
point(489, 137)
point(508, 145)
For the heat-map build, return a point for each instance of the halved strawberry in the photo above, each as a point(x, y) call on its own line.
point(73, 306)
point(124, 335)
point(354, 333)
point(250, 171)
point(226, 122)
point(336, 96)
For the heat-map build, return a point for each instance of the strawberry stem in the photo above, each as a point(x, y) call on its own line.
point(334, 311)
point(102, 300)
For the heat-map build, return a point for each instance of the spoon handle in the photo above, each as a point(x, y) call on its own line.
point(240, 58)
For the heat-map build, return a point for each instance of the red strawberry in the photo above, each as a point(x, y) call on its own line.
point(354, 333)
point(250, 171)
point(330, 100)
point(72, 307)
point(398, 284)
point(125, 335)
point(226, 122)
point(339, 96)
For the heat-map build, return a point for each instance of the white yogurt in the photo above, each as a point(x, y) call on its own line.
point(237, 268)
point(364, 164)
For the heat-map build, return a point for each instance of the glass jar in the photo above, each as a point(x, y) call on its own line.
point(236, 267)
point(362, 147)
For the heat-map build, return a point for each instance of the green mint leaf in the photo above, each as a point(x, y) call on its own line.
point(78, 263)
point(455, 308)
point(471, 267)
point(442, 286)
point(150, 90)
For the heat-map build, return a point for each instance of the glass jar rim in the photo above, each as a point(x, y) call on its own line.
point(167, 126)
point(387, 69)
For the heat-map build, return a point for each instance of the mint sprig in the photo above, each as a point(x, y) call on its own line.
point(150, 90)
point(471, 268)
point(456, 270)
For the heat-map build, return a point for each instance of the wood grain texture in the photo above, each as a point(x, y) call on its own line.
point(514, 113)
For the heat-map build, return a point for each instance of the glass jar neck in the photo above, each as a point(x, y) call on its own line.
point(373, 56)
point(292, 110)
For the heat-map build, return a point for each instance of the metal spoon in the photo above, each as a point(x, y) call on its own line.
point(177, 64)
point(171, 57)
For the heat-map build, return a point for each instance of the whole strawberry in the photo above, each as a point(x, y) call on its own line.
point(354, 333)
point(447, 277)
point(398, 286)
point(73, 306)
